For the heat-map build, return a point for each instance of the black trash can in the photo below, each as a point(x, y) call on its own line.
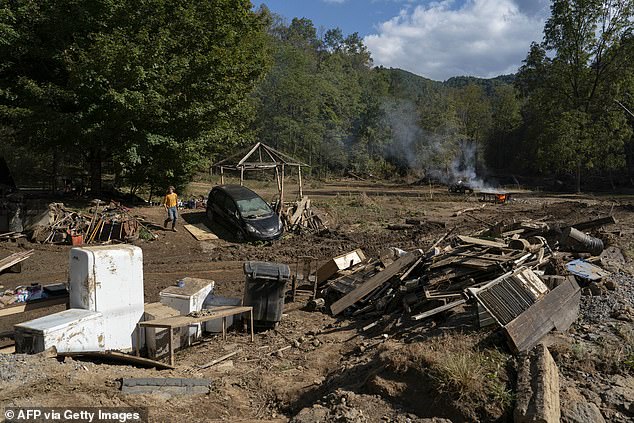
point(264, 290)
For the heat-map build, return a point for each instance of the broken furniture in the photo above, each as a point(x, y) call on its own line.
point(175, 322)
point(304, 281)
point(264, 290)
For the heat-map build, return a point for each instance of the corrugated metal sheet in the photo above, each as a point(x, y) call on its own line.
point(506, 298)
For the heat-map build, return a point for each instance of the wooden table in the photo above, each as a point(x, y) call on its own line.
point(181, 321)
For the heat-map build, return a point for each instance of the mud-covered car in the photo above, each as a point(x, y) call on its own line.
point(244, 212)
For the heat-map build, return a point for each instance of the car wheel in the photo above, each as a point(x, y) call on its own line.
point(240, 236)
point(210, 216)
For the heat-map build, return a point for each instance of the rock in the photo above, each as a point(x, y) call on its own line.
point(316, 413)
point(610, 285)
point(537, 388)
point(597, 289)
point(581, 412)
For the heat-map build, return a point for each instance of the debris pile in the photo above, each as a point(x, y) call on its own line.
point(102, 223)
point(523, 277)
point(300, 217)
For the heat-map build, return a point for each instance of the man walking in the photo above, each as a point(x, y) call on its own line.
point(170, 202)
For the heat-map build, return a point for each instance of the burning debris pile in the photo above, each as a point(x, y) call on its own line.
point(524, 277)
point(300, 217)
point(102, 223)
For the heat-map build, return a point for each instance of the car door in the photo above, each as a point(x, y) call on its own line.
point(232, 212)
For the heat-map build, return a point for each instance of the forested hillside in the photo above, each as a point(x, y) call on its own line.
point(195, 82)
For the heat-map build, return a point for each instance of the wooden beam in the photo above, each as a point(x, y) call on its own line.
point(590, 224)
point(299, 179)
point(375, 281)
point(437, 310)
point(527, 329)
point(244, 159)
point(479, 241)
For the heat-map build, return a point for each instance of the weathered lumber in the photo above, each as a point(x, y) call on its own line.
point(218, 360)
point(14, 259)
point(437, 310)
point(479, 241)
point(299, 211)
point(375, 281)
point(595, 223)
point(527, 329)
point(338, 263)
point(400, 226)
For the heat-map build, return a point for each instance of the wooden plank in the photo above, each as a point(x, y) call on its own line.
point(478, 241)
point(375, 281)
point(340, 262)
point(200, 233)
point(437, 310)
point(121, 357)
point(33, 305)
point(14, 259)
point(179, 321)
point(299, 211)
point(218, 360)
point(527, 329)
point(590, 224)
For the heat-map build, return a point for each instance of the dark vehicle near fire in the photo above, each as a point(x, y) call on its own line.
point(461, 187)
point(244, 212)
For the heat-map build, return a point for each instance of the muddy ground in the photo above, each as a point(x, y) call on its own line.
point(333, 372)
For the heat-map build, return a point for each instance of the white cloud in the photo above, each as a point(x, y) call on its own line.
point(334, 1)
point(480, 37)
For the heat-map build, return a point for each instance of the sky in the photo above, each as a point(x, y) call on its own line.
point(436, 39)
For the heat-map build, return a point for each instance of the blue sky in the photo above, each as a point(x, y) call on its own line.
point(436, 39)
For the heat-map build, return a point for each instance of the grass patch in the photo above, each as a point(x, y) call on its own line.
point(473, 377)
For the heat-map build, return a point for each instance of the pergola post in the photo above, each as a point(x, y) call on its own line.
point(277, 179)
point(299, 178)
point(241, 175)
point(282, 186)
point(222, 175)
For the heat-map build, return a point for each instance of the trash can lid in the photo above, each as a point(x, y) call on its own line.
point(267, 270)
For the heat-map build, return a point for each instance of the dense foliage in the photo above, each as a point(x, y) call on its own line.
point(151, 87)
point(156, 90)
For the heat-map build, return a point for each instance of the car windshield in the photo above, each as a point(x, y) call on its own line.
point(253, 207)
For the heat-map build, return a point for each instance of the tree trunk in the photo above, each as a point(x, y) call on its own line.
point(579, 177)
point(95, 172)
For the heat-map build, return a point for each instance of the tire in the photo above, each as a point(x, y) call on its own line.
point(240, 236)
point(210, 216)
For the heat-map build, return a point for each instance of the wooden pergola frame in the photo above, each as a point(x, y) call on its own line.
point(262, 157)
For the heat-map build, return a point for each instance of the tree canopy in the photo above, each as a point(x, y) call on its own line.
point(150, 86)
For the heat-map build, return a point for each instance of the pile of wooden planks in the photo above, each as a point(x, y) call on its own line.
point(14, 259)
point(518, 276)
point(300, 217)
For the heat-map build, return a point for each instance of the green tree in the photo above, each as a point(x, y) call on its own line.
point(151, 85)
point(571, 80)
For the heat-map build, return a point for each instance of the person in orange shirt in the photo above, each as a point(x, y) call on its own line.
point(170, 202)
